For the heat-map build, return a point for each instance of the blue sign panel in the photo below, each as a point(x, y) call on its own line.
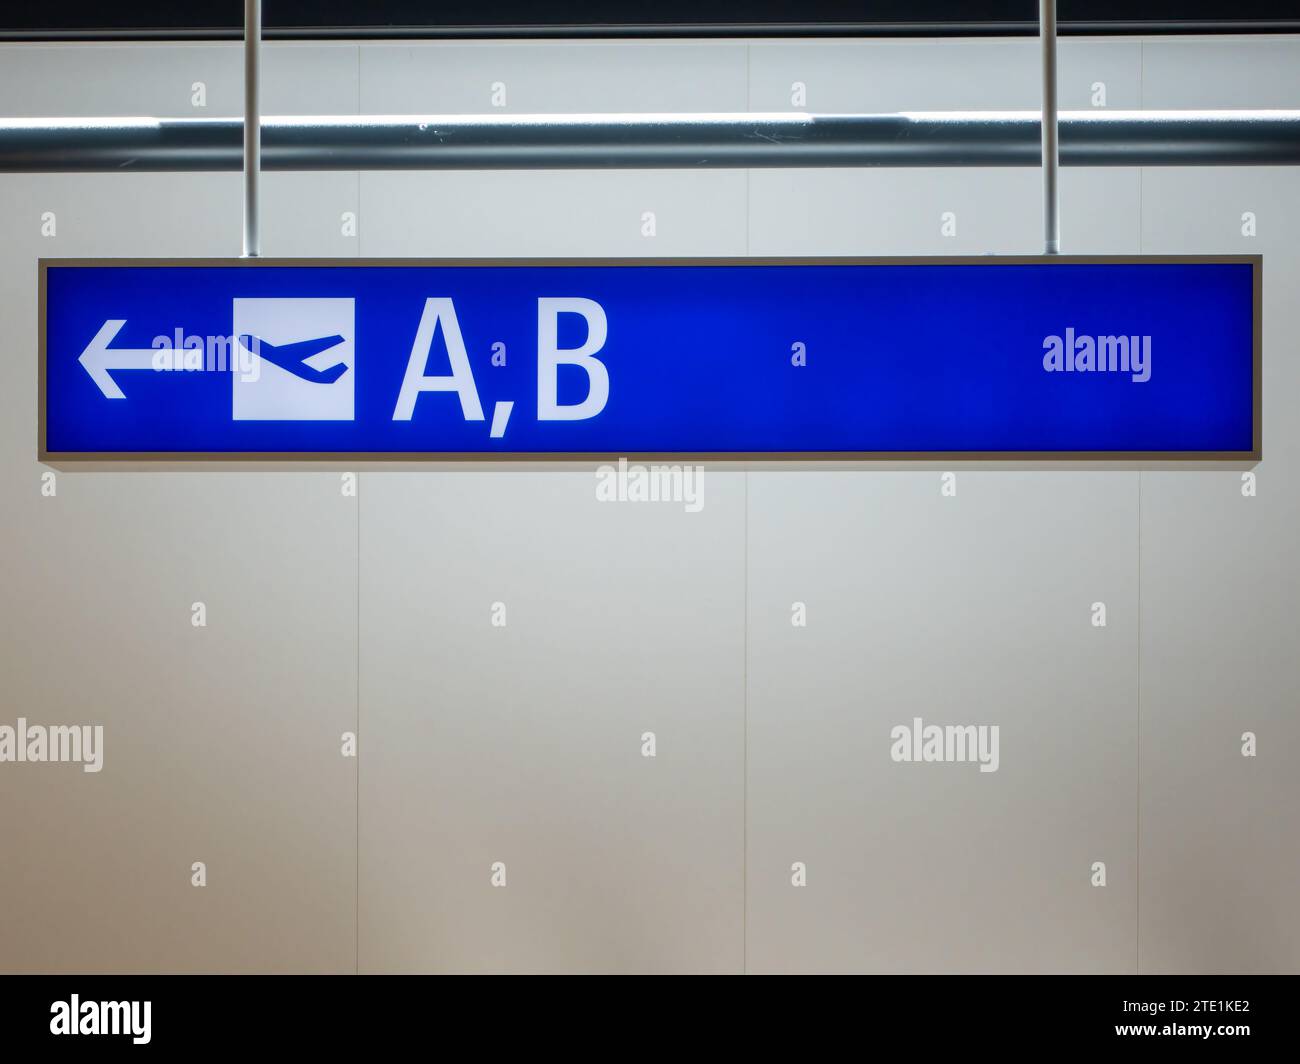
point(980, 357)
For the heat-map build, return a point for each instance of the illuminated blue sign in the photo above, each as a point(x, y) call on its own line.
point(979, 357)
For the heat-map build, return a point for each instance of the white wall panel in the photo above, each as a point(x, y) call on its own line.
point(1220, 577)
point(592, 77)
point(222, 743)
point(520, 742)
point(1221, 73)
point(984, 74)
point(552, 213)
point(973, 609)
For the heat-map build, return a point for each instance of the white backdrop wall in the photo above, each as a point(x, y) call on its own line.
point(523, 744)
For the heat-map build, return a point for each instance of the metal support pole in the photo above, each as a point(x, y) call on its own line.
point(1051, 154)
point(252, 127)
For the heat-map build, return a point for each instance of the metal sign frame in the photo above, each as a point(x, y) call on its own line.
point(985, 261)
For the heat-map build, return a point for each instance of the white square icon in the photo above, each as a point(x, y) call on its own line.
point(302, 356)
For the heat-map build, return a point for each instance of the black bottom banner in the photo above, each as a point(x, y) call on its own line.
point(1226, 1014)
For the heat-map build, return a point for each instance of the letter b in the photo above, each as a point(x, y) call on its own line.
point(550, 356)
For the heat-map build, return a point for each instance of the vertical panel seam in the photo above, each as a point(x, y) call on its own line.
point(358, 734)
point(745, 663)
point(1137, 877)
point(745, 729)
point(1137, 861)
point(357, 886)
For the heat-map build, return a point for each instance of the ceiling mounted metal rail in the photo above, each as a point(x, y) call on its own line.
point(651, 141)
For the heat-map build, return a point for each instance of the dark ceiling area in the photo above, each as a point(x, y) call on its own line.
point(217, 19)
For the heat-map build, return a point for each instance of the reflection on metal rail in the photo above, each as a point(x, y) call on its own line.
point(644, 141)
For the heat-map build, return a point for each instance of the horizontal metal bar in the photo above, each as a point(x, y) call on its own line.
point(651, 141)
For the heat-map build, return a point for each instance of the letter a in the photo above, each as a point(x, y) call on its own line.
point(461, 378)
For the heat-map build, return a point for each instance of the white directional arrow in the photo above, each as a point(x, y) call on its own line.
point(99, 358)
